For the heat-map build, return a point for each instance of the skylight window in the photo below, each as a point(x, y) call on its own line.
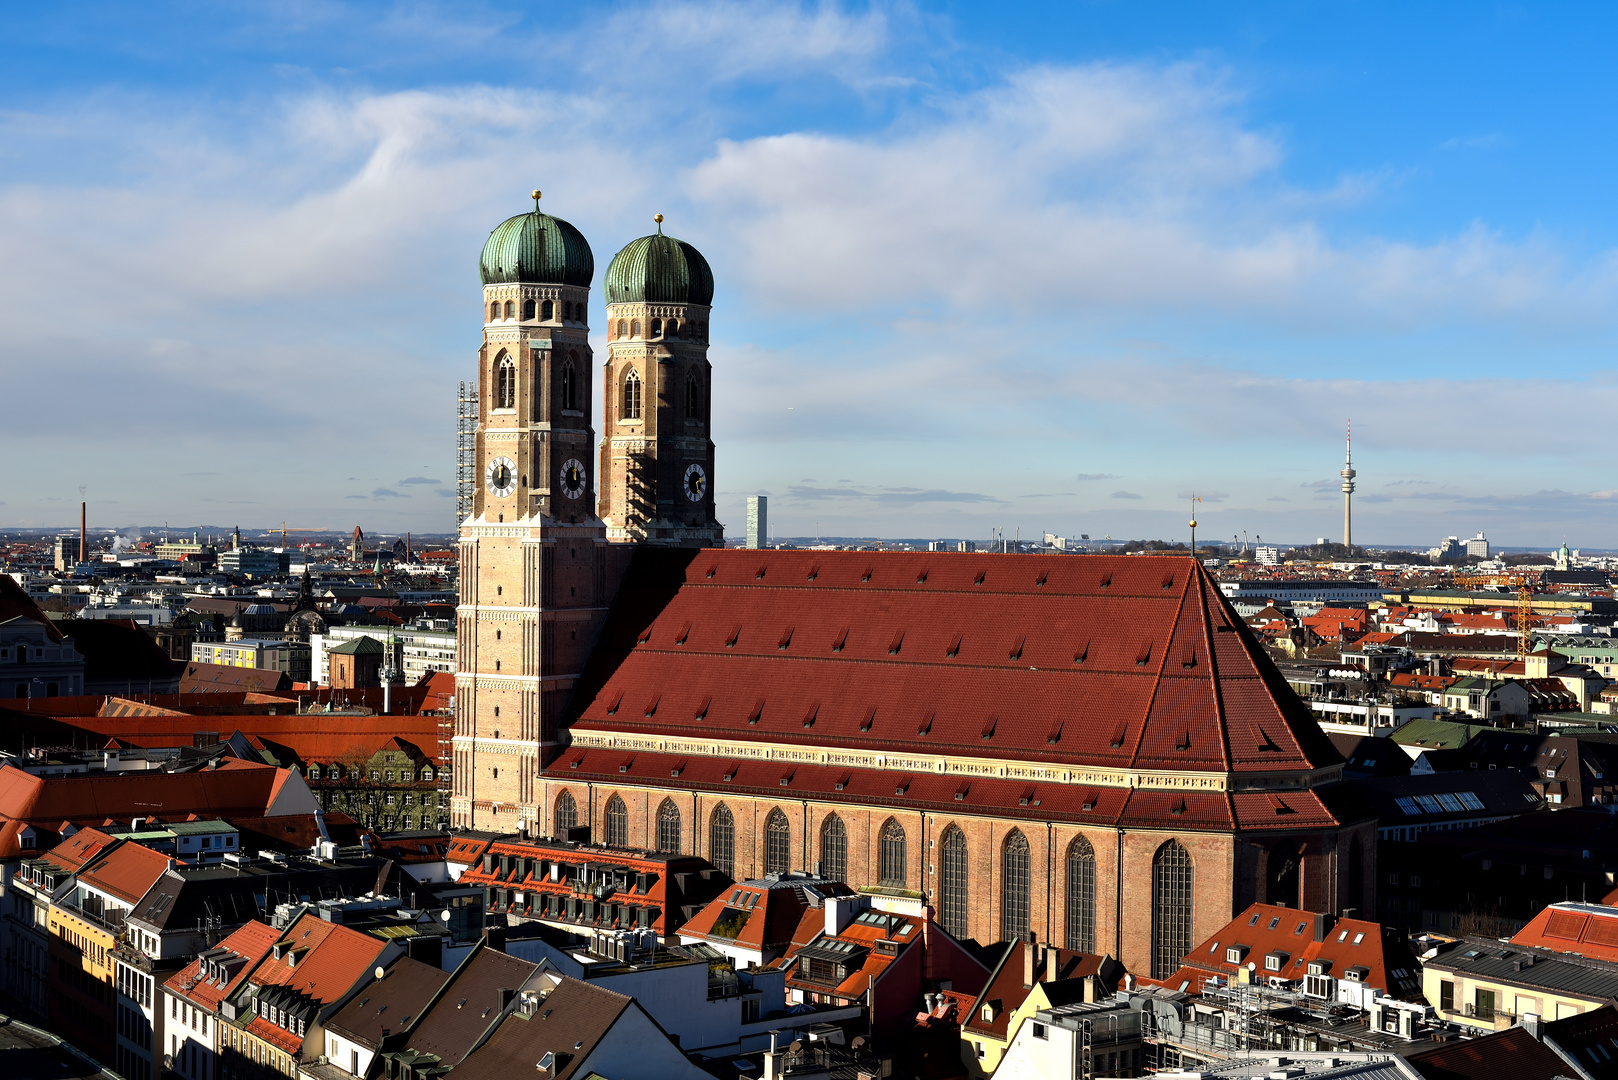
point(1275, 922)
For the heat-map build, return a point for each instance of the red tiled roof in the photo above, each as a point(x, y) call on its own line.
point(1112, 660)
point(311, 736)
point(1271, 929)
point(1502, 1055)
point(1006, 990)
point(128, 871)
point(1110, 806)
point(78, 849)
point(252, 942)
point(1586, 929)
point(321, 960)
point(763, 916)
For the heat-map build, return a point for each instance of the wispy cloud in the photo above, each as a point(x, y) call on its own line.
point(1126, 495)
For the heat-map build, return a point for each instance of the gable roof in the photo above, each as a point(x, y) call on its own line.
point(1589, 1038)
point(1120, 661)
point(577, 1016)
point(127, 871)
point(1005, 991)
point(1582, 929)
point(17, 604)
point(389, 1003)
point(1503, 1055)
point(468, 1004)
point(77, 850)
point(250, 944)
point(763, 915)
point(1266, 930)
point(319, 960)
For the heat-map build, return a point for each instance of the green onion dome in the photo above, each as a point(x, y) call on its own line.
point(537, 248)
point(659, 269)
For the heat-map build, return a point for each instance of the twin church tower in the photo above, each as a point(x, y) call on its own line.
point(556, 514)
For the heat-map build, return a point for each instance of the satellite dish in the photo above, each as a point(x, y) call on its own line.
point(444, 915)
point(381, 971)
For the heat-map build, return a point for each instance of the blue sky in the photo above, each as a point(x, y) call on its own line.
point(1042, 267)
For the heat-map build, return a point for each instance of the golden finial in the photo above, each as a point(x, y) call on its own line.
point(535, 196)
point(659, 219)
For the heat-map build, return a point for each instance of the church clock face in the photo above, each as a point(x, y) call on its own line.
point(696, 483)
point(501, 477)
point(574, 478)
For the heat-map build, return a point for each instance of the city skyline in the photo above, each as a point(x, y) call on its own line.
point(1177, 253)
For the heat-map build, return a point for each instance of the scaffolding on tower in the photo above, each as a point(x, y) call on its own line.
point(466, 464)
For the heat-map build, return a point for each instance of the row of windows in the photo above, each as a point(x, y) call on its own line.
point(357, 772)
point(1171, 872)
point(571, 312)
point(657, 328)
point(630, 398)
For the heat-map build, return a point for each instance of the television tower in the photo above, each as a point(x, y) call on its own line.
point(1348, 475)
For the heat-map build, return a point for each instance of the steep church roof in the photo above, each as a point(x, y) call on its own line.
point(1112, 662)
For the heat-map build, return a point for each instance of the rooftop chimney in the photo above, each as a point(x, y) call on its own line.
point(1323, 925)
point(1028, 948)
point(1052, 962)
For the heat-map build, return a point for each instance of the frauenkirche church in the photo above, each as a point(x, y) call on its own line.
point(1091, 748)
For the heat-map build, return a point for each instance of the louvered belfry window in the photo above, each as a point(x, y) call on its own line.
point(1081, 896)
point(1171, 908)
point(894, 855)
point(952, 892)
point(833, 849)
point(668, 827)
point(567, 813)
point(1014, 887)
point(722, 840)
point(777, 843)
point(617, 823)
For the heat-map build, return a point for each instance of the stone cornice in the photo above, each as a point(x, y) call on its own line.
point(953, 765)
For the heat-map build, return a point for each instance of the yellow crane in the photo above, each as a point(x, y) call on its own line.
point(286, 529)
point(1523, 583)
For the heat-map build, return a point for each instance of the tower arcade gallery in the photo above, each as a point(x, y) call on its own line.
point(1094, 749)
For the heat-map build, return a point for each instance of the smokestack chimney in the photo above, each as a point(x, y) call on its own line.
point(84, 544)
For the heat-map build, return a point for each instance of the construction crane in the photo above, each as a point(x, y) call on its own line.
point(1524, 585)
point(287, 529)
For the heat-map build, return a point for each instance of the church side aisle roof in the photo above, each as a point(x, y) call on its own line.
point(1124, 662)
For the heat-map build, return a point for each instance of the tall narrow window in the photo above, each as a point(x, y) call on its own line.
point(693, 397)
point(953, 885)
point(617, 823)
point(722, 839)
point(505, 383)
point(894, 855)
point(570, 386)
point(1014, 887)
point(833, 849)
point(567, 814)
point(623, 328)
point(511, 309)
point(528, 309)
point(547, 311)
point(1171, 908)
point(668, 827)
point(579, 311)
point(631, 409)
point(567, 311)
point(634, 328)
point(777, 843)
point(656, 328)
point(1081, 896)
point(494, 311)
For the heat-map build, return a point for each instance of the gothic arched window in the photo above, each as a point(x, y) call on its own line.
point(570, 386)
point(547, 311)
point(505, 383)
point(528, 309)
point(1081, 896)
point(777, 843)
point(833, 849)
point(567, 814)
point(722, 839)
point(668, 827)
point(617, 823)
point(894, 855)
point(494, 311)
point(634, 328)
point(623, 328)
point(511, 309)
point(1014, 887)
point(1171, 908)
point(656, 329)
point(693, 397)
point(953, 884)
point(631, 409)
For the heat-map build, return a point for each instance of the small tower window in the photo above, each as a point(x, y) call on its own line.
point(631, 410)
point(567, 310)
point(570, 386)
point(547, 311)
point(634, 328)
point(685, 330)
point(693, 398)
point(702, 331)
point(511, 309)
point(527, 309)
point(656, 328)
point(623, 328)
point(505, 383)
point(494, 311)
point(579, 312)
